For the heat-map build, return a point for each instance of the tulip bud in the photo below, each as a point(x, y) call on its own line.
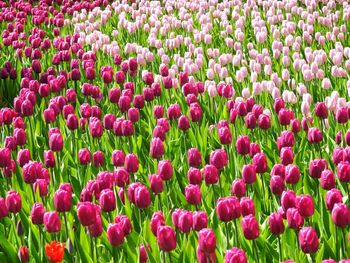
point(56, 142)
point(314, 135)
point(200, 220)
point(308, 240)
point(316, 167)
point(288, 200)
point(157, 148)
point(294, 218)
point(235, 255)
point(157, 220)
point(37, 214)
point(118, 158)
point(156, 183)
point(277, 185)
point(292, 174)
point(194, 176)
point(207, 241)
point(165, 170)
point(125, 222)
point(131, 163)
point(86, 213)
point(286, 155)
point(52, 222)
point(210, 174)
point(3, 208)
point(166, 238)
point(185, 221)
point(250, 227)
point(13, 201)
point(193, 194)
point(23, 254)
point(249, 174)
point(238, 188)
point(107, 200)
point(115, 234)
point(260, 163)
point(142, 197)
point(218, 158)
point(243, 145)
point(327, 179)
point(247, 206)
point(305, 205)
point(276, 224)
point(341, 215)
point(62, 200)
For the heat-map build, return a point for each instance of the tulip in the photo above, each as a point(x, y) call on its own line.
point(84, 156)
point(166, 238)
point(185, 221)
point(157, 220)
point(55, 251)
point(305, 205)
point(62, 200)
point(42, 186)
point(115, 234)
point(142, 197)
point(125, 222)
point(194, 176)
point(343, 170)
point(288, 200)
point(341, 215)
point(107, 200)
point(156, 183)
point(218, 158)
point(131, 163)
point(247, 206)
point(235, 255)
point(118, 158)
point(308, 240)
point(56, 142)
point(37, 214)
point(316, 167)
point(193, 194)
point(249, 173)
point(194, 157)
point(203, 257)
point(292, 174)
point(200, 220)
point(86, 213)
point(23, 254)
point(96, 229)
point(276, 224)
point(3, 208)
point(143, 253)
point(5, 157)
point(238, 188)
point(243, 145)
point(207, 241)
point(165, 170)
point(327, 179)
point(314, 135)
point(250, 227)
point(294, 218)
point(157, 148)
point(52, 222)
point(13, 201)
point(210, 174)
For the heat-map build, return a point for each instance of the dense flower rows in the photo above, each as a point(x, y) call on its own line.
point(175, 131)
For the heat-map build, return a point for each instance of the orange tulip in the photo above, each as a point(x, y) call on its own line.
point(55, 251)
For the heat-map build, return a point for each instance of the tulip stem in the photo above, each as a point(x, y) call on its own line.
point(66, 225)
point(33, 193)
point(236, 232)
point(344, 244)
point(256, 251)
point(227, 241)
point(280, 248)
point(170, 260)
point(92, 247)
point(222, 194)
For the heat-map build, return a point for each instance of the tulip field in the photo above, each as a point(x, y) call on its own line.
point(175, 131)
